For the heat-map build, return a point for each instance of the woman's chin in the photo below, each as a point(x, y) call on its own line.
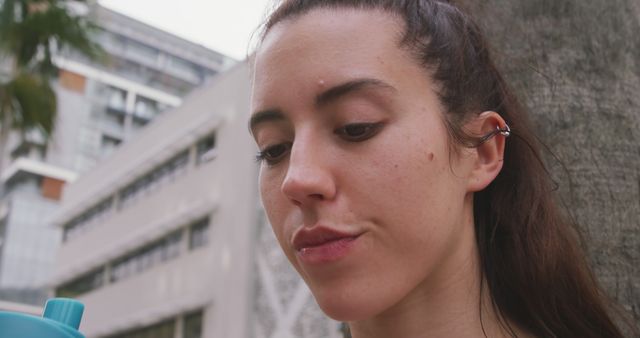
point(348, 307)
point(344, 312)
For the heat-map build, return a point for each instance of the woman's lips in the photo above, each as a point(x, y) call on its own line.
point(328, 252)
point(322, 244)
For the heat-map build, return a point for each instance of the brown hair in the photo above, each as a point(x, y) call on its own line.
point(530, 253)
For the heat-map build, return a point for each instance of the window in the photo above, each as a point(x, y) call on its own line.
point(141, 52)
point(83, 284)
point(116, 99)
point(111, 41)
point(184, 68)
point(139, 260)
point(81, 222)
point(109, 141)
point(147, 75)
point(166, 329)
point(109, 144)
point(114, 119)
point(199, 234)
point(147, 257)
point(206, 149)
point(29, 150)
point(164, 172)
point(163, 329)
point(145, 109)
point(192, 325)
point(3, 229)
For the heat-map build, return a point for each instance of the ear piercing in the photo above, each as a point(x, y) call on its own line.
point(505, 131)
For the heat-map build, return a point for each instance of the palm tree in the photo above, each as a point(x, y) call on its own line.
point(31, 31)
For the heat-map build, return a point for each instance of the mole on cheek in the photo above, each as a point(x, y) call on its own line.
point(430, 156)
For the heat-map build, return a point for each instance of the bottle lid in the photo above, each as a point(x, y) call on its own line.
point(65, 311)
point(61, 319)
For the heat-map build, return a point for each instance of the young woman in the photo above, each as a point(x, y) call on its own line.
point(402, 179)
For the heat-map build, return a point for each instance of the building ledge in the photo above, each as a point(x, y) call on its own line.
point(38, 168)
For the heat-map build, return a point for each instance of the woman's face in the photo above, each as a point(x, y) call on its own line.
point(357, 179)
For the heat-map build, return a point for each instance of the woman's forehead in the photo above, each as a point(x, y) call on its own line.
point(343, 20)
point(326, 47)
point(330, 32)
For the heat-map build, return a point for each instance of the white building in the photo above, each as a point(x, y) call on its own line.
point(100, 105)
point(166, 238)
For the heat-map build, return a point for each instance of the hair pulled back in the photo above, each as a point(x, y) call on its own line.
point(530, 253)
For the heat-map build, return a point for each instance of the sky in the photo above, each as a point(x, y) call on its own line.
point(225, 26)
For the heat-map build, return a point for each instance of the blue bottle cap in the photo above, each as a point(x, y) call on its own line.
point(61, 319)
point(65, 311)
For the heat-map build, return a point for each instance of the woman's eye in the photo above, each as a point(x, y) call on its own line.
point(357, 132)
point(273, 154)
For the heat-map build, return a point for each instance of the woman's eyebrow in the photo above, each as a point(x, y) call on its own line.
point(330, 95)
point(336, 92)
point(263, 116)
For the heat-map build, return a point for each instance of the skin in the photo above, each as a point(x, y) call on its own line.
point(414, 271)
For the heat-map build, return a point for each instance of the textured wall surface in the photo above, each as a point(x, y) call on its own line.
point(576, 66)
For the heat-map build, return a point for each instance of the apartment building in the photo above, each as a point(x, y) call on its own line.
point(166, 238)
point(101, 104)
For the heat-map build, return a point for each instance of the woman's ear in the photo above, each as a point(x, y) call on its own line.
point(489, 153)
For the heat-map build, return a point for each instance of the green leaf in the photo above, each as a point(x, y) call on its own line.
point(29, 34)
point(31, 104)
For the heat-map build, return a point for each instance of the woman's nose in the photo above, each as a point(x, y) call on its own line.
point(309, 178)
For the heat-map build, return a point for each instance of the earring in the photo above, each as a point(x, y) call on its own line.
point(506, 131)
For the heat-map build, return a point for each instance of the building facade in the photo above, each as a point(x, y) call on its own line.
point(101, 104)
point(166, 238)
